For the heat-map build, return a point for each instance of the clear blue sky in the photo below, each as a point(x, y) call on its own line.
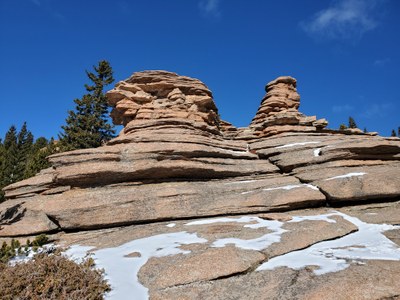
point(345, 54)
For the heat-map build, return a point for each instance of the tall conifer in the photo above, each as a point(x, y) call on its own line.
point(24, 145)
point(87, 126)
point(352, 123)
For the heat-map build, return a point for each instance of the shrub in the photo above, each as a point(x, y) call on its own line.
point(47, 276)
point(52, 277)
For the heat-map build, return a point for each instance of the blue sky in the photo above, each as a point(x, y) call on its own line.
point(345, 54)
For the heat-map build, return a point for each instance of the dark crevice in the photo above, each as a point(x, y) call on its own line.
point(377, 200)
point(321, 190)
point(54, 220)
point(12, 214)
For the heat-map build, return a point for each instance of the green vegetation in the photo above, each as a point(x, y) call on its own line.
point(352, 123)
point(21, 156)
point(7, 252)
point(87, 126)
point(394, 132)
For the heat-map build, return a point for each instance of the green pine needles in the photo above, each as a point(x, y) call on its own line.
point(87, 126)
point(21, 156)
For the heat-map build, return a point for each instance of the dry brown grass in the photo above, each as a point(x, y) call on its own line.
point(51, 277)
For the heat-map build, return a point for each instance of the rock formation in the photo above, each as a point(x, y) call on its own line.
point(279, 110)
point(222, 206)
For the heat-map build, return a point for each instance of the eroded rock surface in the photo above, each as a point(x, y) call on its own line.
point(194, 208)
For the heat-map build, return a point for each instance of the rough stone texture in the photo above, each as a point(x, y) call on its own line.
point(213, 263)
point(176, 162)
point(364, 282)
point(279, 110)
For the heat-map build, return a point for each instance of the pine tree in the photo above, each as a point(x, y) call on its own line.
point(38, 159)
point(87, 126)
point(365, 130)
point(11, 156)
point(393, 133)
point(24, 145)
point(398, 131)
point(2, 161)
point(352, 123)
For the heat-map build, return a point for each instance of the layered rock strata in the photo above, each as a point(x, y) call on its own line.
point(279, 113)
point(223, 205)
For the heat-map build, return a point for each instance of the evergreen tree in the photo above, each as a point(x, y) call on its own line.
point(24, 145)
point(87, 126)
point(352, 123)
point(10, 157)
point(365, 130)
point(393, 133)
point(38, 159)
point(2, 160)
point(398, 131)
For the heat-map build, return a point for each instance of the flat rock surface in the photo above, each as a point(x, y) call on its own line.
point(239, 256)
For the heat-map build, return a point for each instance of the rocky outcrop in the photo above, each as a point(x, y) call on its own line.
point(202, 208)
point(162, 97)
point(279, 113)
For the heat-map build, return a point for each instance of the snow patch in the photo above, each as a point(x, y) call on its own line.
point(335, 255)
point(347, 175)
point(317, 152)
point(296, 144)
point(259, 243)
point(121, 271)
point(28, 255)
point(286, 187)
point(170, 225)
point(240, 182)
point(325, 218)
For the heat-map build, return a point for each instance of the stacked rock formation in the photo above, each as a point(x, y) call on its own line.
point(225, 208)
point(279, 110)
point(160, 95)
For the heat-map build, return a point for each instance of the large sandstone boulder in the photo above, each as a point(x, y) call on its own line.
point(191, 207)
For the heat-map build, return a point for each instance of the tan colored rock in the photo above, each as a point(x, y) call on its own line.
point(122, 205)
point(211, 264)
point(161, 95)
point(357, 282)
point(279, 110)
point(376, 213)
point(303, 234)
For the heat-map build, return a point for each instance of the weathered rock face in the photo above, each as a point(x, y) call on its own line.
point(203, 209)
point(162, 97)
point(279, 110)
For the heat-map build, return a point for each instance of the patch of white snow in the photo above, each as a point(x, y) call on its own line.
point(296, 144)
point(121, 271)
point(259, 243)
point(347, 175)
point(335, 255)
point(286, 187)
point(317, 152)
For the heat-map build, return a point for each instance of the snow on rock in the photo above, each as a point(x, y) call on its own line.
point(353, 174)
point(259, 243)
point(296, 144)
point(121, 270)
point(286, 187)
point(317, 152)
point(335, 255)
